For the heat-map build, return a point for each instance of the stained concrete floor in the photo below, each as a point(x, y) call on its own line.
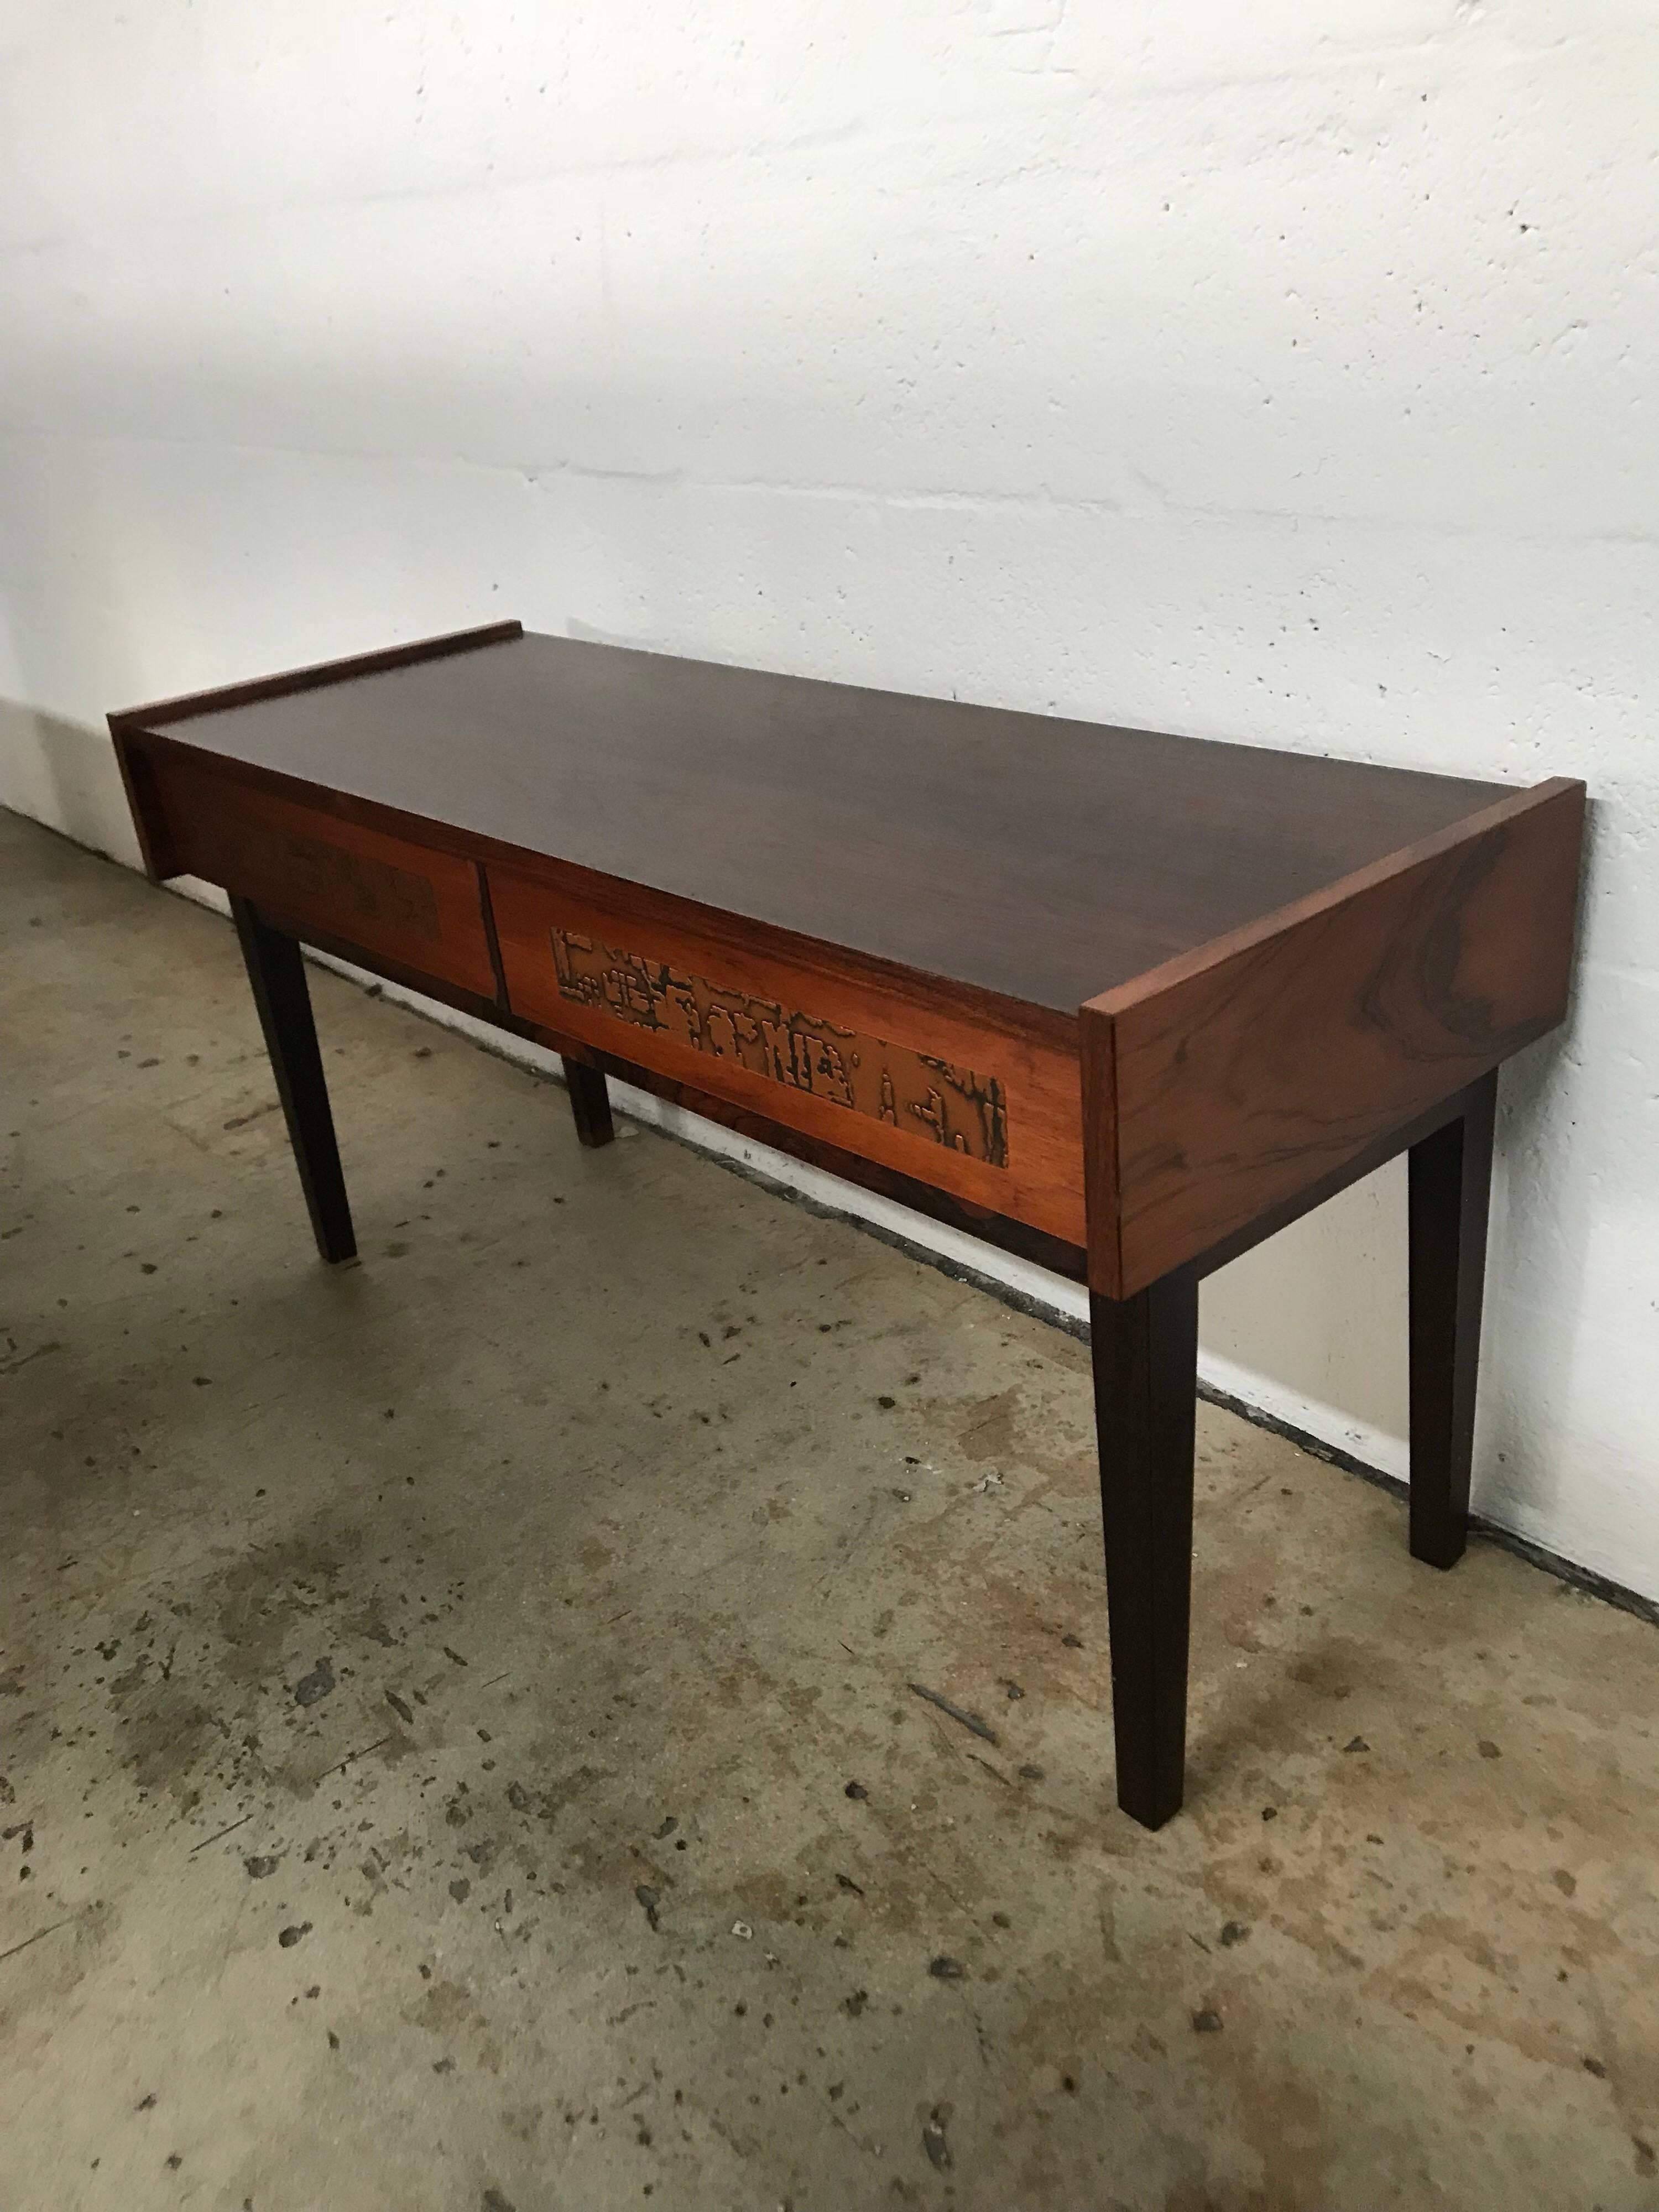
point(456, 1743)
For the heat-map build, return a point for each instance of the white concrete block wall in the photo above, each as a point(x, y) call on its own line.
point(1279, 373)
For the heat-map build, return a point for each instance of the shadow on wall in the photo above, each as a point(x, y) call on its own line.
point(64, 774)
point(1525, 1451)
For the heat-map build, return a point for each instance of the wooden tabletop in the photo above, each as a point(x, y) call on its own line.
point(1044, 859)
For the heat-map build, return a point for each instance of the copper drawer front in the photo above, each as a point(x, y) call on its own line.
point(320, 876)
point(991, 1113)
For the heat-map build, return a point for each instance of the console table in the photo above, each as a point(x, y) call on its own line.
point(1124, 1004)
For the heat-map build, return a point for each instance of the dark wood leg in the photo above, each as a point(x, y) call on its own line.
point(1450, 1186)
point(1145, 1362)
point(590, 1103)
point(277, 974)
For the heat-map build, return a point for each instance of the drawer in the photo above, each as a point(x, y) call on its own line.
point(323, 876)
point(986, 1108)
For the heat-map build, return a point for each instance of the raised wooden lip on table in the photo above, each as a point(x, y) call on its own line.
point(1169, 1124)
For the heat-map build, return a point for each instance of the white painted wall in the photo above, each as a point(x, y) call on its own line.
point(1281, 372)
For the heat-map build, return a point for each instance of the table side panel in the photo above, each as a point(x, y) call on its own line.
point(981, 1109)
point(320, 875)
point(1245, 1074)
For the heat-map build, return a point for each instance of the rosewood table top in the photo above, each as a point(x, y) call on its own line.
point(1041, 859)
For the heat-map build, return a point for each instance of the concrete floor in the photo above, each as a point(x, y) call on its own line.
point(454, 1727)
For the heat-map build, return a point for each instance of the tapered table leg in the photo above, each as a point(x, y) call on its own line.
point(277, 974)
point(590, 1103)
point(1145, 1352)
point(1450, 1185)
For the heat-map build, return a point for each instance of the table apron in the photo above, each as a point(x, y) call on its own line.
point(323, 876)
point(978, 1110)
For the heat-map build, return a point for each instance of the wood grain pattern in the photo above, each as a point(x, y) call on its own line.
point(1042, 858)
point(314, 875)
point(647, 979)
point(1241, 1075)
